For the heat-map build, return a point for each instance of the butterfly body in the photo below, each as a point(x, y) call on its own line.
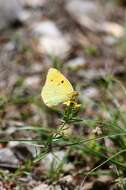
point(57, 89)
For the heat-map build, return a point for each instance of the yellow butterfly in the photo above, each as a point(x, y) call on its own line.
point(57, 89)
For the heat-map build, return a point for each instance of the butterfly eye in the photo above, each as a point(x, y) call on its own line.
point(62, 81)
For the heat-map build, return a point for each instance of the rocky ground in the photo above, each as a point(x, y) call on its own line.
point(86, 40)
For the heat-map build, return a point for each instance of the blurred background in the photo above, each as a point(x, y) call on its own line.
point(86, 40)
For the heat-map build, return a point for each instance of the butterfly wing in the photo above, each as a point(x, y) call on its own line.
point(57, 89)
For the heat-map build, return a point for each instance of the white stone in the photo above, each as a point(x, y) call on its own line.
point(32, 81)
point(112, 28)
point(42, 187)
point(68, 166)
point(91, 92)
point(33, 3)
point(7, 157)
point(50, 40)
point(57, 187)
point(76, 63)
point(10, 10)
point(36, 68)
point(54, 46)
point(92, 74)
point(46, 28)
point(87, 13)
point(9, 47)
point(54, 158)
point(110, 40)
